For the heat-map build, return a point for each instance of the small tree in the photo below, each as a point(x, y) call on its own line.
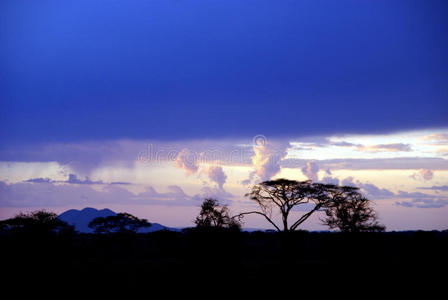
point(354, 214)
point(214, 215)
point(120, 223)
point(282, 196)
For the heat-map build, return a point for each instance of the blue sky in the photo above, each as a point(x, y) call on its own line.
point(198, 69)
point(86, 86)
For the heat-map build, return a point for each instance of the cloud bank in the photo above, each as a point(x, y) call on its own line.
point(54, 194)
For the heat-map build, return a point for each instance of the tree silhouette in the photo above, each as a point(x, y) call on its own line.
point(120, 223)
point(353, 214)
point(215, 215)
point(283, 195)
point(39, 221)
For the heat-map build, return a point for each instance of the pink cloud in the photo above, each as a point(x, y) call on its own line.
point(310, 170)
point(187, 160)
point(423, 175)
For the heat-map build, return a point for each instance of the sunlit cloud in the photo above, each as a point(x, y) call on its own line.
point(436, 138)
point(187, 160)
point(267, 157)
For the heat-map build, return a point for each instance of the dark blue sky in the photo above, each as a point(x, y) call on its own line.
point(161, 69)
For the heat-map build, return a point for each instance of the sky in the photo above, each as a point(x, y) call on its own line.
point(148, 106)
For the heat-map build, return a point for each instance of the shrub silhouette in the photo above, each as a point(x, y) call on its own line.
point(214, 215)
point(353, 214)
point(37, 222)
point(120, 223)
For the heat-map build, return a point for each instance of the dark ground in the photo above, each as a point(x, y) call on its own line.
point(222, 260)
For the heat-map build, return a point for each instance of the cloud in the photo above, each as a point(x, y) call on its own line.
point(187, 160)
point(216, 174)
point(397, 147)
point(39, 180)
point(53, 194)
point(423, 175)
point(443, 188)
point(121, 183)
point(310, 170)
point(398, 163)
point(381, 193)
point(73, 179)
point(216, 193)
point(348, 181)
point(418, 199)
point(442, 151)
point(343, 144)
point(249, 179)
point(369, 188)
point(267, 157)
point(330, 180)
point(404, 194)
point(374, 191)
point(436, 138)
point(424, 203)
point(393, 147)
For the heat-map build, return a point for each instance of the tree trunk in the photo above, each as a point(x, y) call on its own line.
point(285, 223)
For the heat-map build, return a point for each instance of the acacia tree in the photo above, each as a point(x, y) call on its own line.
point(39, 221)
point(354, 214)
point(217, 216)
point(119, 223)
point(281, 196)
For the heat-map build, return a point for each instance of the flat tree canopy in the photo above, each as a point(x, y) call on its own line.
point(39, 221)
point(281, 196)
point(120, 223)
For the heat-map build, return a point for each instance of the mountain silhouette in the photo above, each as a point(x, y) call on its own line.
point(81, 219)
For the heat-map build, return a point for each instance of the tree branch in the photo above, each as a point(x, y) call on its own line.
point(258, 213)
point(304, 217)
